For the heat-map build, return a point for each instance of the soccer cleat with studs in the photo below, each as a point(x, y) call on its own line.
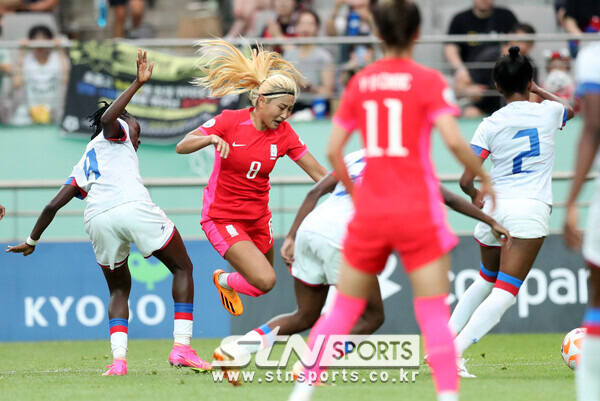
point(229, 298)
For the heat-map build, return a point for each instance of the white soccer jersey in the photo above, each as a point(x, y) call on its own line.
point(331, 217)
point(108, 174)
point(587, 74)
point(520, 139)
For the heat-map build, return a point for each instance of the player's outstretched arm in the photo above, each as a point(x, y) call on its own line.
point(110, 126)
point(337, 141)
point(462, 206)
point(325, 186)
point(64, 195)
point(196, 140)
point(2, 212)
point(312, 167)
point(589, 143)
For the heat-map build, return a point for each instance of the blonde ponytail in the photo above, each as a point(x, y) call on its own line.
point(228, 71)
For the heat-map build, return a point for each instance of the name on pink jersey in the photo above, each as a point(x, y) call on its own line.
point(385, 81)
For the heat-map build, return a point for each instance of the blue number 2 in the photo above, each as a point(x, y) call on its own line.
point(534, 142)
point(91, 165)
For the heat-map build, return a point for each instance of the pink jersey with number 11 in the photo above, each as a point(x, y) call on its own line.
point(394, 103)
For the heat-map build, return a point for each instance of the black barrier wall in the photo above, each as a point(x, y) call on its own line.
point(552, 299)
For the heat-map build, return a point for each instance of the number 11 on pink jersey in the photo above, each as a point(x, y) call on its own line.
point(394, 124)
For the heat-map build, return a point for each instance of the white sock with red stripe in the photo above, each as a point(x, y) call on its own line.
point(118, 337)
point(184, 323)
point(472, 298)
point(485, 318)
point(256, 340)
point(588, 369)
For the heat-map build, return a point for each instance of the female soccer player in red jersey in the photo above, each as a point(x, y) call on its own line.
point(395, 102)
point(235, 212)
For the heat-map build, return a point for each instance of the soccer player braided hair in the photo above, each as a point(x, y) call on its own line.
point(397, 21)
point(95, 118)
point(228, 71)
point(513, 72)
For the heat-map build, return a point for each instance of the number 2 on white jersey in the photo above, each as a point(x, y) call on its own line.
point(394, 124)
point(533, 151)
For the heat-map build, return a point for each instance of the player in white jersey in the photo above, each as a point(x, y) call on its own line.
point(313, 251)
point(520, 139)
point(587, 74)
point(119, 211)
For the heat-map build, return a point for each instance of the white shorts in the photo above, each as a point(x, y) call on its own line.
point(316, 260)
point(591, 239)
point(113, 231)
point(523, 218)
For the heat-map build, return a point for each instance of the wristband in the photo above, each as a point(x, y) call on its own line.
point(30, 241)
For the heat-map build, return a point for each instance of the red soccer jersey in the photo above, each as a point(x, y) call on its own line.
point(238, 188)
point(394, 103)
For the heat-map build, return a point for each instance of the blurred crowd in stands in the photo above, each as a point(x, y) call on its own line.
point(33, 79)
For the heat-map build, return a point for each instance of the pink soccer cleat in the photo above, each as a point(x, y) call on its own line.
point(118, 368)
point(184, 355)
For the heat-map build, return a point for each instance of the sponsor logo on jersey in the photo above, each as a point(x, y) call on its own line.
point(235, 145)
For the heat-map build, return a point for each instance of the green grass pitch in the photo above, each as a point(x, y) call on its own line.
point(509, 367)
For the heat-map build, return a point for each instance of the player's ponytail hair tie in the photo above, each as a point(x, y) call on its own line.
point(513, 52)
point(228, 71)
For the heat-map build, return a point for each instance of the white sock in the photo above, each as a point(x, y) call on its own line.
point(182, 331)
point(467, 304)
point(302, 392)
point(587, 376)
point(447, 396)
point(222, 279)
point(253, 341)
point(485, 317)
point(118, 344)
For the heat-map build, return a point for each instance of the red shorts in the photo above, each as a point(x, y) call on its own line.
point(224, 233)
point(370, 241)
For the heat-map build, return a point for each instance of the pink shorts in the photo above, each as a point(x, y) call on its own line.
point(223, 233)
point(370, 241)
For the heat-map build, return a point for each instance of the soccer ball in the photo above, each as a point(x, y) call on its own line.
point(571, 347)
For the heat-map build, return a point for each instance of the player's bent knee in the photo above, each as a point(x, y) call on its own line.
point(304, 320)
point(373, 321)
point(376, 320)
point(265, 284)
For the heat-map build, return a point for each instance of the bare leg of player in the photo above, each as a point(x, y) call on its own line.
point(119, 286)
point(479, 290)
point(588, 370)
point(430, 288)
